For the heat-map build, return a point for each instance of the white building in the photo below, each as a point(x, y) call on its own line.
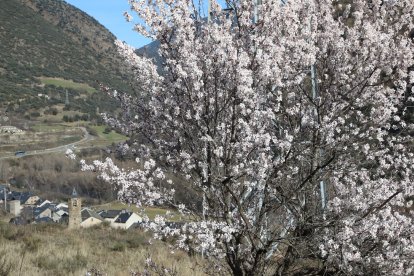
point(125, 220)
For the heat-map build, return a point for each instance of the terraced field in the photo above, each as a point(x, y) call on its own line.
point(59, 82)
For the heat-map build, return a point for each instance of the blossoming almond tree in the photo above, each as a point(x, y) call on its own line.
point(231, 110)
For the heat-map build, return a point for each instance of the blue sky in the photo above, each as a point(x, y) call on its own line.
point(109, 13)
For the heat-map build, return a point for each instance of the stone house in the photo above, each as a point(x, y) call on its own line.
point(90, 218)
point(45, 211)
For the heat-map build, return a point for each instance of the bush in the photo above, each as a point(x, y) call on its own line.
point(35, 114)
point(91, 131)
point(118, 246)
point(76, 118)
point(67, 118)
point(46, 263)
point(61, 266)
point(75, 263)
point(107, 130)
point(136, 242)
point(31, 243)
point(52, 111)
point(11, 233)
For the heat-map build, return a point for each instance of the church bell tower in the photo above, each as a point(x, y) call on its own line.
point(74, 205)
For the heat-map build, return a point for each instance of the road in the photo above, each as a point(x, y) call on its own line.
point(86, 138)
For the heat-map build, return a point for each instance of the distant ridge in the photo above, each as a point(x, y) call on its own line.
point(151, 51)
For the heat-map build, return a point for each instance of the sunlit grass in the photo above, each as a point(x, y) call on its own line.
point(43, 127)
point(112, 136)
point(67, 84)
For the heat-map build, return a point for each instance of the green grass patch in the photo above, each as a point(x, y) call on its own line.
point(70, 139)
point(111, 137)
point(67, 84)
point(41, 127)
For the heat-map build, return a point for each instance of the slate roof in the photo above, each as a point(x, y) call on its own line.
point(87, 213)
point(110, 214)
point(62, 211)
point(123, 218)
point(42, 202)
point(38, 210)
point(13, 195)
point(62, 206)
point(22, 196)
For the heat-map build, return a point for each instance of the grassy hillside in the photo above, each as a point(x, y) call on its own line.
point(53, 250)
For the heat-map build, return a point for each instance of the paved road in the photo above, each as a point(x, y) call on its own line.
point(86, 137)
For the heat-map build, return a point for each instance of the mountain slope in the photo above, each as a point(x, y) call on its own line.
point(151, 51)
point(51, 38)
point(78, 25)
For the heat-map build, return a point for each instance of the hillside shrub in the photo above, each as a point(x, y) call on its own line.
point(75, 263)
point(118, 246)
point(107, 130)
point(92, 131)
point(34, 114)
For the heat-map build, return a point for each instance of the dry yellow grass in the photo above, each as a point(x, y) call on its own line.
point(53, 250)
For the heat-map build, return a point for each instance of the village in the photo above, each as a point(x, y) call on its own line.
point(28, 208)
